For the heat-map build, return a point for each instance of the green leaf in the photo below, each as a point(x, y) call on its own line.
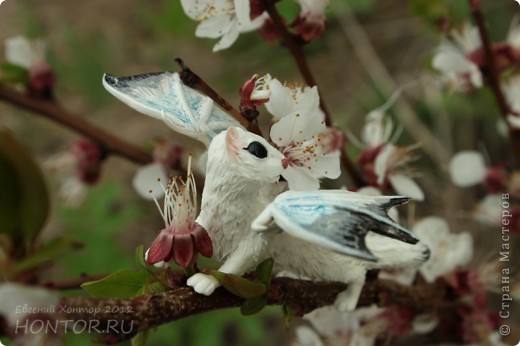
point(264, 271)
point(24, 200)
point(122, 284)
point(253, 305)
point(140, 339)
point(288, 315)
point(47, 252)
point(12, 73)
point(154, 287)
point(238, 285)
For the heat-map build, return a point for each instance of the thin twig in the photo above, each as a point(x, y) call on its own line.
point(53, 111)
point(493, 76)
point(299, 57)
point(191, 79)
point(296, 52)
point(378, 72)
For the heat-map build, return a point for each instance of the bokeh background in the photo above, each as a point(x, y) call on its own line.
point(125, 37)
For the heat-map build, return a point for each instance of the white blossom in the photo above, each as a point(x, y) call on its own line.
point(467, 168)
point(224, 19)
point(489, 210)
point(452, 59)
point(311, 149)
point(23, 52)
point(448, 250)
point(148, 180)
point(378, 129)
point(386, 166)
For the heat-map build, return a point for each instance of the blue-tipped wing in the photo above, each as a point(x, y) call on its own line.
point(163, 96)
point(338, 219)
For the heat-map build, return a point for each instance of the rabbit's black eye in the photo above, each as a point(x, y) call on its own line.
point(257, 149)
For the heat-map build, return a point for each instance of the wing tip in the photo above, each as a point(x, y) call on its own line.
point(395, 201)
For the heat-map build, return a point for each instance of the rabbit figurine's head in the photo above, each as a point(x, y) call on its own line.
point(245, 157)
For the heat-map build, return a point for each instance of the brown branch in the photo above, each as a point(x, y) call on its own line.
point(296, 52)
point(191, 79)
point(127, 317)
point(54, 112)
point(299, 57)
point(493, 75)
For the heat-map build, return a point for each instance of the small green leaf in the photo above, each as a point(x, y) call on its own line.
point(253, 305)
point(141, 263)
point(154, 287)
point(47, 252)
point(264, 271)
point(11, 73)
point(122, 284)
point(288, 315)
point(238, 285)
point(140, 339)
point(24, 200)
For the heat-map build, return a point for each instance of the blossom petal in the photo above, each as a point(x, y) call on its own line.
point(448, 250)
point(297, 127)
point(202, 241)
point(279, 104)
point(467, 168)
point(228, 39)
point(424, 323)
point(242, 11)
point(23, 52)
point(326, 166)
point(161, 248)
point(406, 186)
point(299, 180)
point(214, 27)
point(489, 210)
point(183, 252)
point(148, 180)
point(381, 162)
point(514, 121)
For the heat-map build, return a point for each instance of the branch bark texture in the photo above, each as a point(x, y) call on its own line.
point(150, 311)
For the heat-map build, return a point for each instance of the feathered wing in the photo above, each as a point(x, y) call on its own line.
point(163, 96)
point(337, 219)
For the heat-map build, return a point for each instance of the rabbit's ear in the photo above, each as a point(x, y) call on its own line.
point(234, 142)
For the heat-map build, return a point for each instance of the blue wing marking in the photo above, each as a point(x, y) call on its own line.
point(163, 96)
point(338, 220)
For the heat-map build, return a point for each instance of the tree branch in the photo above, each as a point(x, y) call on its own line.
point(379, 74)
point(54, 112)
point(131, 316)
point(493, 76)
point(192, 80)
point(299, 57)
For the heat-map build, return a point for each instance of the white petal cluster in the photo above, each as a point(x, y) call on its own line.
point(448, 250)
point(385, 165)
point(224, 19)
point(452, 60)
point(302, 136)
